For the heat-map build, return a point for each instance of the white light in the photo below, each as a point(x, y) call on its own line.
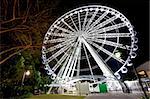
point(91, 9)
point(118, 54)
point(27, 72)
point(71, 14)
point(52, 29)
point(117, 15)
point(81, 11)
point(58, 22)
point(67, 16)
point(96, 9)
point(112, 13)
point(55, 26)
point(102, 9)
point(86, 9)
point(75, 12)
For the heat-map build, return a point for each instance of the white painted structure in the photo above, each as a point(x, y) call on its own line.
point(134, 86)
point(86, 39)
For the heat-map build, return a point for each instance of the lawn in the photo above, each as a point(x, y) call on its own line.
point(50, 96)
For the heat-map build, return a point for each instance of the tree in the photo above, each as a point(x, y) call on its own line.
point(23, 24)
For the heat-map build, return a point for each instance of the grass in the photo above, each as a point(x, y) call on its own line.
point(50, 96)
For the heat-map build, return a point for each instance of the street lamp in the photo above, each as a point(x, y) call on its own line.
point(26, 73)
point(118, 54)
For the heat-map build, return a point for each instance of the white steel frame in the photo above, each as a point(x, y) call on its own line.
point(87, 28)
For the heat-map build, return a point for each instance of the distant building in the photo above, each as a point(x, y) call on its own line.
point(144, 69)
point(144, 73)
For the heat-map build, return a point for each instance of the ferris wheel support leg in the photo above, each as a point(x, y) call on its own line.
point(106, 71)
point(49, 91)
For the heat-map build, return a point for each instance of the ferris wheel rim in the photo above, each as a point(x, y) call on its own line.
point(132, 43)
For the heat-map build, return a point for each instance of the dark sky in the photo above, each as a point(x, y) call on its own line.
point(137, 11)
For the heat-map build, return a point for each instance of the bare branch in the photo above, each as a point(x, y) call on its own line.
point(14, 54)
point(18, 7)
point(18, 47)
point(5, 2)
point(5, 51)
point(14, 9)
point(13, 29)
point(27, 11)
point(13, 19)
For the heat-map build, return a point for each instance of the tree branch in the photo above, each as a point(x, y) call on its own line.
point(17, 47)
point(13, 19)
point(14, 9)
point(14, 54)
point(5, 2)
point(13, 29)
point(11, 49)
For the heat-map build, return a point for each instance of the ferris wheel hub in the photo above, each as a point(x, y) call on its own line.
point(80, 33)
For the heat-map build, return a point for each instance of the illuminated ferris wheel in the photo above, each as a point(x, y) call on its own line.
point(87, 42)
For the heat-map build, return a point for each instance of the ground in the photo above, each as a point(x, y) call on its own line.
point(56, 97)
point(93, 96)
point(116, 96)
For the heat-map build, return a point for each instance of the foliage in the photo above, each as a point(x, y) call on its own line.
point(12, 79)
point(23, 25)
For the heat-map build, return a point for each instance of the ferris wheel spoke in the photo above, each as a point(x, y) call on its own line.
point(104, 23)
point(63, 67)
point(70, 60)
point(90, 67)
point(74, 59)
point(60, 61)
point(122, 46)
point(107, 52)
point(79, 20)
point(62, 50)
point(68, 26)
point(85, 19)
point(61, 34)
point(74, 65)
point(63, 29)
point(110, 35)
point(66, 43)
point(98, 20)
point(71, 67)
point(77, 61)
point(109, 28)
point(74, 24)
point(86, 69)
point(91, 19)
point(57, 40)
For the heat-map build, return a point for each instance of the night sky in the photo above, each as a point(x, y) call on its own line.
point(137, 11)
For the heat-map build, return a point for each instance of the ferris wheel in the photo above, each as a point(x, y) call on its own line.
point(87, 42)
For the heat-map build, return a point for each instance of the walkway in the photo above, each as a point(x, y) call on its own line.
point(115, 96)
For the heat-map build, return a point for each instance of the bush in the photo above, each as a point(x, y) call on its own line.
point(16, 92)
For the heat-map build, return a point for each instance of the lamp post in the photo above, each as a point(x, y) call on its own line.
point(118, 54)
point(26, 73)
